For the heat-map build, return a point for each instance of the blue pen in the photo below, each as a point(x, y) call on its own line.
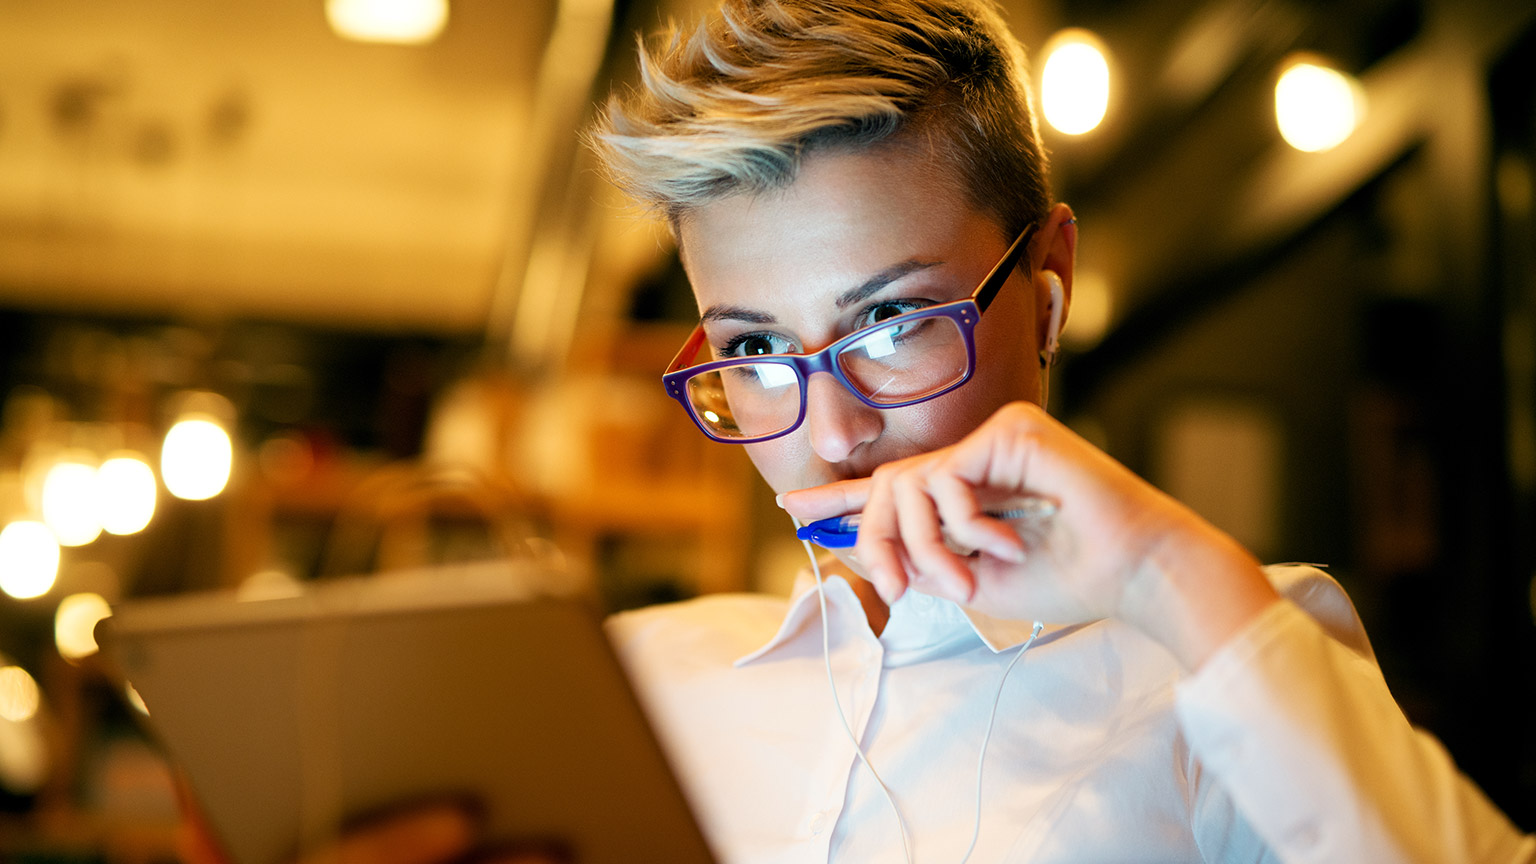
point(841, 532)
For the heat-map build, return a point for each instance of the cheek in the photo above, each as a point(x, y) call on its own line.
point(1007, 361)
point(1004, 373)
point(948, 418)
point(779, 461)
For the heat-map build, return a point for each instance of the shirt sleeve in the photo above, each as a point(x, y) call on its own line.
point(1303, 735)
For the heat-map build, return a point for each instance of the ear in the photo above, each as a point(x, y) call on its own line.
point(1053, 255)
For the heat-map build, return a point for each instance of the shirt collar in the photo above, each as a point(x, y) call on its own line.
point(801, 620)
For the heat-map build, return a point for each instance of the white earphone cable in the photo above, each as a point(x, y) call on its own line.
point(981, 760)
point(826, 656)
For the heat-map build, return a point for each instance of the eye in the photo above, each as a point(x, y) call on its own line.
point(756, 344)
point(886, 310)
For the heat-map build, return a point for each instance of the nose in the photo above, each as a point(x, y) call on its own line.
point(836, 421)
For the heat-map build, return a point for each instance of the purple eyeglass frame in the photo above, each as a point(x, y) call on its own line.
point(965, 313)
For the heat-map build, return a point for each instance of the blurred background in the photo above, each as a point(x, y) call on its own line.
point(298, 288)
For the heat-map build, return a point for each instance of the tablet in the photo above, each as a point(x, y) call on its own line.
point(290, 716)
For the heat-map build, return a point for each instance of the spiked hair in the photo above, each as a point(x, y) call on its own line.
point(733, 104)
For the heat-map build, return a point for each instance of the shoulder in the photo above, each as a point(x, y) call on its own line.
point(1324, 600)
point(711, 628)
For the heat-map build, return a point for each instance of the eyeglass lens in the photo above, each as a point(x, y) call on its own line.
point(889, 364)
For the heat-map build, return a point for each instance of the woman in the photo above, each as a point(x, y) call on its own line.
point(841, 178)
point(860, 201)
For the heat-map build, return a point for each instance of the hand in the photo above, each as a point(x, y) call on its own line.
point(431, 832)
point(1115, 547)
point(444, 830)
point(434, 831)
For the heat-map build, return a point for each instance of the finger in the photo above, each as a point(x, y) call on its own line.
point(426, 834)
point(967, 524)
point(879, 545)
point(938, 570)
point(822, 502)
point(1003, 452)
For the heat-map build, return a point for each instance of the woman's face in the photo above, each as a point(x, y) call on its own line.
point(773, 266)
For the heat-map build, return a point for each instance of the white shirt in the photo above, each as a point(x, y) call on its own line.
point(1286, 746)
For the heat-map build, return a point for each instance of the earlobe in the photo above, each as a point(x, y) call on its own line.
point(1052, 342)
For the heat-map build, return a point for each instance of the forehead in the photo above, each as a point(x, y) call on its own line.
point(848, 214)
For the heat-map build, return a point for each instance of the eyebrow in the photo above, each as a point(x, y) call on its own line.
point(865, 289)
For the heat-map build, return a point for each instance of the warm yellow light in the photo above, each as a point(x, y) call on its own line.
point(29, 559)
point(19, 696)
point(268, 585)
point(126, 494)
point(196, 458)
point(1074, 85)
point(69, 502)
point(23, 750)
point(1092, 309)
point(1316, 107)
point(74, 624)
point(408, 22)
point(135, 699)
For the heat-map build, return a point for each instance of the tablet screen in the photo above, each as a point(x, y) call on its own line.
point(290, 716)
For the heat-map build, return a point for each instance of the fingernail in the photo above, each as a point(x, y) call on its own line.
point(779, 500)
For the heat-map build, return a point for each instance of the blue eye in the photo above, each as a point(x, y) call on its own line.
point(755, 345)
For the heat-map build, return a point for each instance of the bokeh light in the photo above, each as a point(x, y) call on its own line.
point(1091, 310)
point(74, 624)
point(1316, 107)
point(126, 494)
point(269, 585)
point(70, 501)
point(196, 458)
point(19, 696)
point(134, 699)
point(409, 22)
point(1074, 85)
point(29, 559)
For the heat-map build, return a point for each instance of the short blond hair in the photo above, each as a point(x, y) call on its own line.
point(734, 104)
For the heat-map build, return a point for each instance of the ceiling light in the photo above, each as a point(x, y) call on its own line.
point(74, 624)
point(1074, 85)
point(402, 22)
point(126, 494)
point(196, 458)
point(69, 501)
point(29, 559)
point(1316, 107)
point(19, 695)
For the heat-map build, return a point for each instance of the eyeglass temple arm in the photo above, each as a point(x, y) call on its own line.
point(994, 281)
point(686, 353)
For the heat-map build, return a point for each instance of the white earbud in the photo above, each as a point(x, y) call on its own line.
point(1053, 330)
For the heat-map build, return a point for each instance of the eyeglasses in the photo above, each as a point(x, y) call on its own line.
point(902, 360)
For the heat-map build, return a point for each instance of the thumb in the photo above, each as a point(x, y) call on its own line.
point(432, 832)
